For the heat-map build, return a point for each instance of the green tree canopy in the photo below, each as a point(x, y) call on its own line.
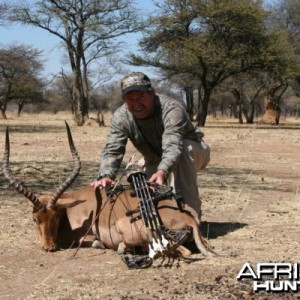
point(212, 41)
point(20, 79)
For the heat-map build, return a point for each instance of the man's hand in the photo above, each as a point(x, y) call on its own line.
point(159, 177)
point(102, 183)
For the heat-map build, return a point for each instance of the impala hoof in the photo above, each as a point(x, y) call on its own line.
point(98, 245)
point(121, 248)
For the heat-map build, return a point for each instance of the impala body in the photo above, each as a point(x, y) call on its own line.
point(66, 218)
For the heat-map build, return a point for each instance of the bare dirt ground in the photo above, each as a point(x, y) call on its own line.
point(251, 207)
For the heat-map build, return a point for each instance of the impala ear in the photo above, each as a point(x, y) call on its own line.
point(67, 202)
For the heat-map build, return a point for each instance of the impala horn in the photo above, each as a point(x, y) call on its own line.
point(28, 194)
point(15, 183)
point(60, 190)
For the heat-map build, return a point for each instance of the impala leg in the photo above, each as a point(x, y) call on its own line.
point(97, 244)
point(121, 248)
point(184, 252)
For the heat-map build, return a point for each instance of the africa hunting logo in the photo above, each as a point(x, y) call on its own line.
point(274, 277)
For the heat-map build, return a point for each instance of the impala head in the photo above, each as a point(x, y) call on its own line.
point(48, 219)
point(48, 210)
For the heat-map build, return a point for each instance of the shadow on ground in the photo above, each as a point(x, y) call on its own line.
point(213, 230)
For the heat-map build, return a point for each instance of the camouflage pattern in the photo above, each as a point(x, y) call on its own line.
point(135, 81)
point(159, 139)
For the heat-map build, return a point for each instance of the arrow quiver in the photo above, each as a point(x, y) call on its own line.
point(161, 239)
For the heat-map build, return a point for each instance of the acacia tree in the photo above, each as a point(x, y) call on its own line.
point(285, 15)
point(28, 92)
point(20, 66)
point(209, 40)
point(87, 29)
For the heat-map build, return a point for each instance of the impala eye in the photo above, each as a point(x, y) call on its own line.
point(36, 220)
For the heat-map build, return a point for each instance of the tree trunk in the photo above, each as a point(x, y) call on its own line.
point(202, 113)
point(189, 95)
point(3, 114)
point(239, 105)
point(80, 101)
point(101, 119)
point(253, 107)
point(78, 113)
point(3, 107)
point(20, 108)
point(250, 113)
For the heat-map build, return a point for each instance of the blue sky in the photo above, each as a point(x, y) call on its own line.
point(53, 54)
point(49, 44)
point(36, 38)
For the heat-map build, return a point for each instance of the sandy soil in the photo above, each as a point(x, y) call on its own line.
point(251, 204)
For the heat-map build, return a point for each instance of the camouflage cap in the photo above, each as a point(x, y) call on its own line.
point(135, 81)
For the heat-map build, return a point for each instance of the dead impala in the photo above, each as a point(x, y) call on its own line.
point(61, 218)
point(116, 219)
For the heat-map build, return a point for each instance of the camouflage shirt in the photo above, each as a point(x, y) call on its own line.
point(158, 139)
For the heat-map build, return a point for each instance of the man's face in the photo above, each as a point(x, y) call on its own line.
point(141, 104)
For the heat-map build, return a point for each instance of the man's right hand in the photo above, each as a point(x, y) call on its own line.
point(159, 177)
point(102, 183)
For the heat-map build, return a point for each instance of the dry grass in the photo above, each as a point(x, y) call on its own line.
point(251, 204)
